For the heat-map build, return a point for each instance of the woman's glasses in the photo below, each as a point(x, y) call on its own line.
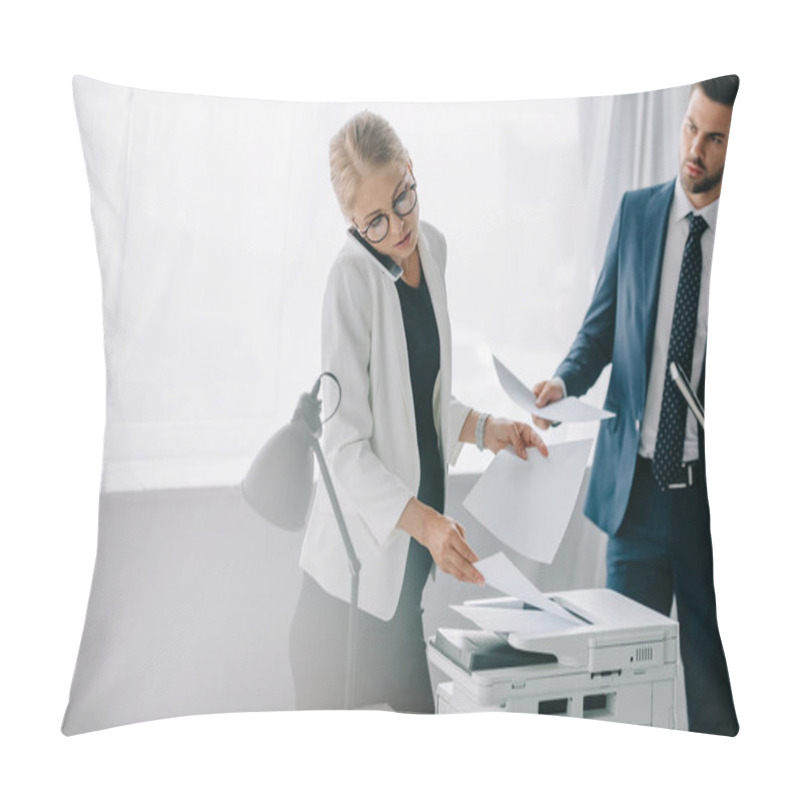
point(403, 205)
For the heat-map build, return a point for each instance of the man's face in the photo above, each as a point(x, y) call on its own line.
point(704, 142)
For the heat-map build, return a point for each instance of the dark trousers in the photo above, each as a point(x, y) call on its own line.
point(391, 664)
point(663, 548)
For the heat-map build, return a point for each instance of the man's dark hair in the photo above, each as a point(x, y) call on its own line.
point(720, 90)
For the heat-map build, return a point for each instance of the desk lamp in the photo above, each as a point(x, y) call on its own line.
point(279, 487)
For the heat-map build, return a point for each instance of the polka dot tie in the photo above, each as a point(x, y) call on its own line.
point(668, 456)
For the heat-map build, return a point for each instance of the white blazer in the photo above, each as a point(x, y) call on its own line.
point(370, 444)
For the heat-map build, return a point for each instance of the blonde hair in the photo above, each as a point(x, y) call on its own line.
point(364, 144)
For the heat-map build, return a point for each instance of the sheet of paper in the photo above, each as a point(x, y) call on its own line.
point(501, 574)
point(513, 620)
point(570, 409)
point(527, 504)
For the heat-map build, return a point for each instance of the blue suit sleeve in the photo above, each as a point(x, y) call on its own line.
point(593, 346)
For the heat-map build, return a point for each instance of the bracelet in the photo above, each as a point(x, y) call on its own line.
point(480, 429)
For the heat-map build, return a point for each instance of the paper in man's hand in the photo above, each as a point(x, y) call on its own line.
point(570, 409)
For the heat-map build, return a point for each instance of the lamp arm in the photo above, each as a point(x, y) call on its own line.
point(308, 410)
point(355, 569)
point(355, 564)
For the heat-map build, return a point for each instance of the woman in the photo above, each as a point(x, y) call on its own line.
point(386, 337)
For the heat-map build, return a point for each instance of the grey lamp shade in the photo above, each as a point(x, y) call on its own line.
point(280, 482)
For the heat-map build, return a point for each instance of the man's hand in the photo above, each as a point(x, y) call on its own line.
point(546, 392)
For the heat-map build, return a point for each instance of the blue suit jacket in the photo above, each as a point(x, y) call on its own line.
point(619, 328)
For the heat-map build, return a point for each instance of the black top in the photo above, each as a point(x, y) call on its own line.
point(422, 341)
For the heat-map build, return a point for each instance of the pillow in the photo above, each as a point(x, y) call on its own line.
point(216, 227)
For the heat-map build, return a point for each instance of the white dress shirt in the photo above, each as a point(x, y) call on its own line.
point(677, 233)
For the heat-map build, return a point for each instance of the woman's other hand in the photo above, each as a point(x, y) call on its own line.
point(501, 433)
point(444, 538)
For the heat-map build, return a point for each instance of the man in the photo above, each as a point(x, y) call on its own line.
point(647, 489)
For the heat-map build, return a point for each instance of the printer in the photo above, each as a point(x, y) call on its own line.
point(610, 658)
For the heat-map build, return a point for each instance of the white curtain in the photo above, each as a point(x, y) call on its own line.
point(216, 226)
point(627, 142)
point(568, 168)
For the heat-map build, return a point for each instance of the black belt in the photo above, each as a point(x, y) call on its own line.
point(687, 475)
